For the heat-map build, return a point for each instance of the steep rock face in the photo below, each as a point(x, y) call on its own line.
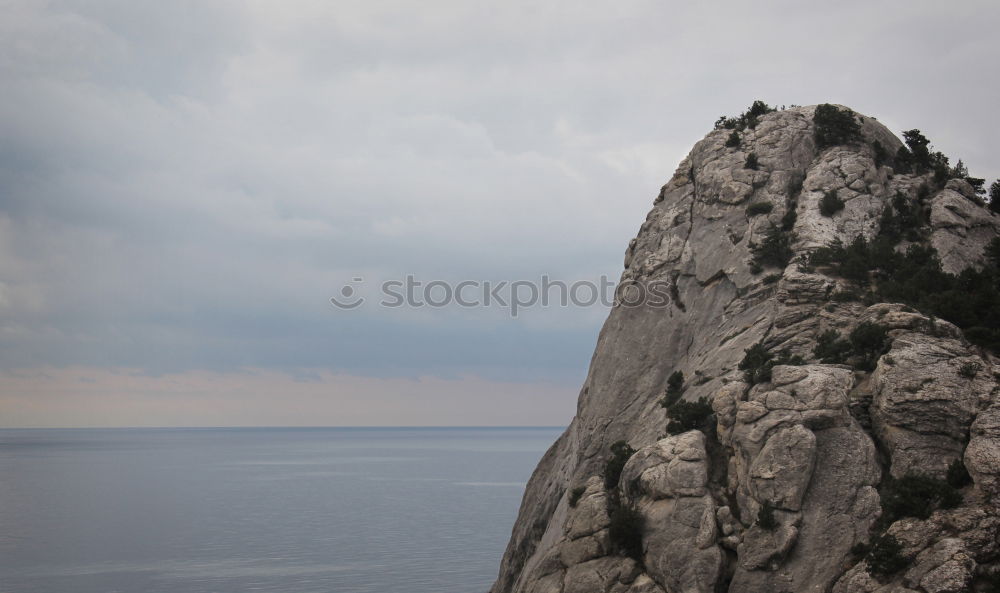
point(669, 481)
point(814, 443)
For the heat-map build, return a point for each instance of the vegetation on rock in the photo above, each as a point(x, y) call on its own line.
point(682, 415)
point(831, 348)
point(620, 453)
point(970, 299)
point(675, 388)
point(627, 523)
point(969, 370)
point(758, 208)
point(919, 158)
point(685, 416)
point(625, 530)
point(830, 203)
point(757, 363)
point(835, 126)
point(765, 517)
point(958, 476)
point(885, 557)
point(868, 342)
point(916, 495)
point(775, 249)
point(747, 119)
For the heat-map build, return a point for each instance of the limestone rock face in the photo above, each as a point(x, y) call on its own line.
point(982, 457)
point(668, 481)
point(796, 446)
point(773, 493)
point(923, 406)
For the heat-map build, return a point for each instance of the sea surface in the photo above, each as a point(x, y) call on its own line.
point(340, 510)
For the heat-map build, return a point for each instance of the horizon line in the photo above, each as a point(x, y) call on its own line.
point(285, 427)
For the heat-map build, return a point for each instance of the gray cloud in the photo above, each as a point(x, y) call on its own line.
point(183, 185)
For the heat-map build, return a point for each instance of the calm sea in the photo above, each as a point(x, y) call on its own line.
point(373, 510)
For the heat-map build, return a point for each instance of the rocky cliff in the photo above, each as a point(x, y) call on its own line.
point(827, 460)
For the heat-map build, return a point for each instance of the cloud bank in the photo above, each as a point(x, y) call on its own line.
point(183, 185)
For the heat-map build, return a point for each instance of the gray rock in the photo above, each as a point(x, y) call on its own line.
point(671, 479)
point(946, 567)
point(601, 575)
point(670, 468)
point(960, 227)
point(982, 456)
point(923, 407)
point(804, 440)
point(782, 470)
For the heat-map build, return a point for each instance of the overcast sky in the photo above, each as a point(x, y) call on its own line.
point(185, 184)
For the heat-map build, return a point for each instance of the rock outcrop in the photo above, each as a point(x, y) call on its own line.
point(778, 491)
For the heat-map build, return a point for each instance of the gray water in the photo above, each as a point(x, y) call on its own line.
point(375, 510)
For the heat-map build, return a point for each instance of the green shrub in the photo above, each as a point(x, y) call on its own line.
point(903, 218)
point(958, 476)
point(775, 249)
point(771, 278)
point(992, 253)
point(830, 204)
point(992, 583)
point(885, 557)
point(787, 358)
point(865, 344)
point(675, 382)
point(903, 162)
point(685, 416)
point(794, 186)
point(880, 154)
point(625, 531)
point(758, 208)
point(747, 119)
point(854, 261)
point(978, 185)
point(860, 549)
point(670, 398)
point(970, 299)
point(868, 342)
point(919, 147)
point(575, 494)
point(765, 517)
point(834, 126)
point(916, 495)
point(756, 364)
point(969, 370)
point(923, 159)
point(675, 388)
point(919, 158)
point(734, 140)
point(995, 196)
point(620, 453)
point(789, 218)
point(759, 108)
point(845, 296)
point(831, 348)
point(751, 162)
